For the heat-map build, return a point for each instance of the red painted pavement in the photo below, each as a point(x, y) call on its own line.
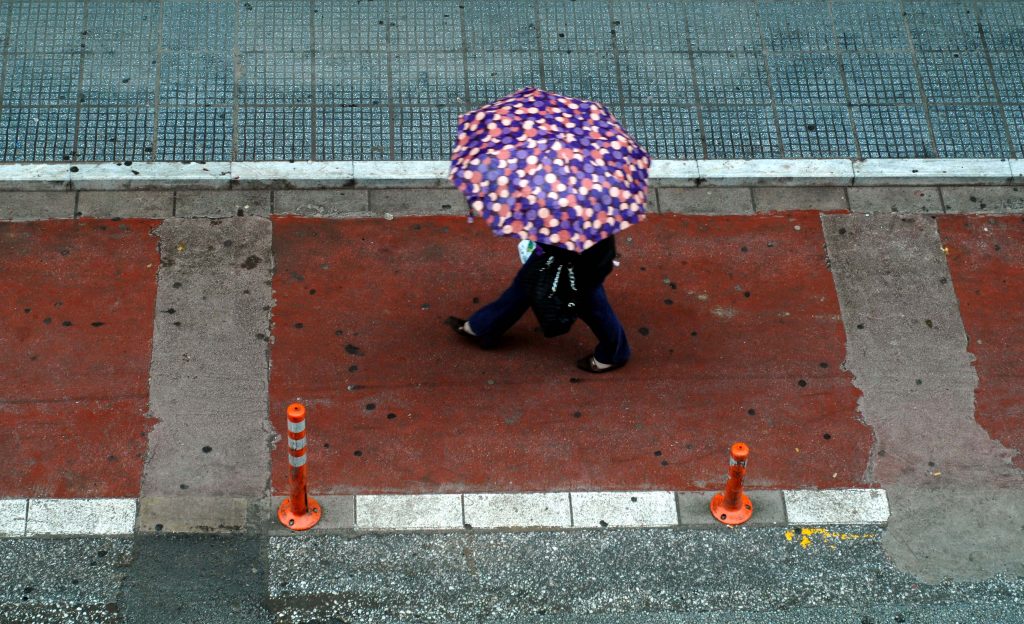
point(77, 321)
point(986, 260)
point(735, 327)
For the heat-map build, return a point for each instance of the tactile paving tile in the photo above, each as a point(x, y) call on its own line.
point(724, 25)
point(732, 78)
point(655, 26)
point(424, 133)
point(345, 26)
point(806, 78)
point(816, 132)
point(942, 24)
point(575, 24)
point(353, 133)
point(492, 75)
point(274, 133)
point(501, 26)
point(1015, 119)
point(956, 77)
point(351, 78)
point(666, 132)
point(740, 132)
point(37, 134)
point(797, 25)
point(269, 78)
point(892, 132)
point(277, 25)
point(1008, 68)
point(41, 79)
point(582, 75)
point(969, 132)
point(194, 133)
point(45, 26)
point(1003, 23)
point(195, 78)
point(881, 78)
point(110, 78)
point(114, 133)
point(122, 28)
point(869, 25)
point(434, 25)
point(198, 25)
point(428, 78)
point(656, 78)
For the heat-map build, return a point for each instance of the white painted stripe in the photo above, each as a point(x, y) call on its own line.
point(297, 462)
point(624, 509)
point(81, 516)
point(850, 506)
point(297, 445)
point(401, 512)
point(492, 511)
point(434, 174)
point(297, 427)
point(13, 512)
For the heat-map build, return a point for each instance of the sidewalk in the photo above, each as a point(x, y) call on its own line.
point(207, 80)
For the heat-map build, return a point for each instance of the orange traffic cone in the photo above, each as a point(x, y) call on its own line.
point(732, 506)
point(299, 511)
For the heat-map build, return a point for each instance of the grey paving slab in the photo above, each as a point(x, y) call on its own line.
point(274, 133)
point(942, 24)
point(48, 26)
point(37, 134)
point(1003, 23)
point(500, 27)
point(423, 133)
point(121, 29)
point(434, 25)
point(575, 24)
point(774, 199)
point(33, 205)
point(806, 78)
point(899, 199)
point(732, 78)
point(794, 25)
point(816, 131)
point(367, 31)
point(361, 133)
point(656, 78)
point(574, 71)
point(494, 74)
point(881, 78)
point(197, 78)
point(741, 132)
point(41, 79)
point(869, 25)
point(428, 78)
point(984, 199)
point(347, 78)
point(192, 514)
point(114, 134)
point(191, 133)
point(407, 202)
point(348, 203)
point(892, 131)
point(197, 25)
point(658, 25)
point(222, 204)
point(935, 171)
point(969, 131)
point(706, 201)
point(672, 131)
point(1015, 121)
point(724, 25)
point(276, 25)
point(952, 77)
point(126, 204)
point(1009, 79)
point(275, 78)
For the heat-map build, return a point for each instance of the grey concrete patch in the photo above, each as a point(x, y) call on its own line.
point(773, 199)
point(219, 204)
point(705, 201)
point(192, 514)
point(410, 202)
point(36, 205)
point(338, 514)
point(197, 578)
point(209, 375)
point(899, 199)
point(695, 509)
point(333, 203)
point(126, 204)
point(907, 348)
point(974, 199)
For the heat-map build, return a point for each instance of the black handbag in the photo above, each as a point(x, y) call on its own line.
point(553, 284)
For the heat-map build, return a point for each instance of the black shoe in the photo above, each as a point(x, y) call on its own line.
point(459, 325)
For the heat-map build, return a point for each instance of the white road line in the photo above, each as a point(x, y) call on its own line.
point(408, 512)
point(81, 516)
point(624, 509)
point(542, 510)
point(13, 512)
point(850, 506)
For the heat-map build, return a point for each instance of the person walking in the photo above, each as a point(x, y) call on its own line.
point(563, 173)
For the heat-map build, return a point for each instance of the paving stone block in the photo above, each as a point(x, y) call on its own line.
point(192, 514)
point(126, 204)
point(624, 509)
point(836, 506)
point(407, 202)
point(400, 512)
point(937, 171)
point(494, 511)
point(987, 199)
point(222, 204)
point(349, 203)
point(80, 516)
point(901, 199)
point(706, 201)
point(695, 508)
point(35, 205)
point(13, 512)
point(823, 198)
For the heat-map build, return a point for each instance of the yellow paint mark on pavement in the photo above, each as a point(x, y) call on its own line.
point(829, 538)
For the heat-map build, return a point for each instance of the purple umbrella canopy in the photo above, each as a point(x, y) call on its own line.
point(549, 168)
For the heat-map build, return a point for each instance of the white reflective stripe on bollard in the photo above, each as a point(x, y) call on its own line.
point(298, 427)
point(297, 445)
point(297, 461)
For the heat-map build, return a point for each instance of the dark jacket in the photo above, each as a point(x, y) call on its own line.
point(592, 265)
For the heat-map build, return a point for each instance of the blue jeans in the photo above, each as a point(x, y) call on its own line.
point(494, 319)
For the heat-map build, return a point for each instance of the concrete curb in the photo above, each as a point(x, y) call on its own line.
point(447, 512)
point(314, 175)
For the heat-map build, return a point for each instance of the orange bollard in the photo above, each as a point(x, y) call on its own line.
point(299, 511)
point(732, 506)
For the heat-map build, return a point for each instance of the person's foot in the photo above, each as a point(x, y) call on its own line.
point(461, 326)
point(592, 365)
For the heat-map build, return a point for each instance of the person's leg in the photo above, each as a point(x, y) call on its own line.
point(612, 346)
point(495, 318)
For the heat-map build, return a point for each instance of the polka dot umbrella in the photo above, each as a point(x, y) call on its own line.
point(549, 168)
